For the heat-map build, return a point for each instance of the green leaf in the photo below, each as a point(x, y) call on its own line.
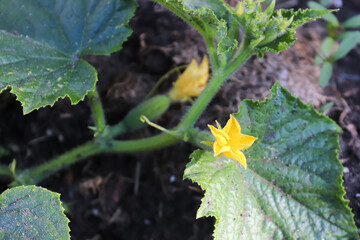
point(325, 2)
point(327, 46)
point(264, 31)
point(328, 17)
point(348, 43)
point(30, 212)
point(326, 107)
point(292, 188)
point(42, 42)
point(352, 22)
point(279, 30)
point(318, 60)
point(346, 34)
point(212, 18)
point(325, 74)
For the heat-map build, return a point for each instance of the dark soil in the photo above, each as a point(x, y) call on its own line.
point(143, 196)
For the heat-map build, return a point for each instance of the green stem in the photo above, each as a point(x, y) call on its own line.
point(164, 130)
point(211, 89)
point(202, 101)
point(36, 174)
point(146, 144)
point(101, 145)
point(212, 53)
point(97, 112)
point(117, 129)
point(240, 60)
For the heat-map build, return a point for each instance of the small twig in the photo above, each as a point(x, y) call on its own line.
point(163, 78)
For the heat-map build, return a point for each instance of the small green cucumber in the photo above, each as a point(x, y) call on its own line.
point(151, 108)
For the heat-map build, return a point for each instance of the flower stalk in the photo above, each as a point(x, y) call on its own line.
point(97, 112)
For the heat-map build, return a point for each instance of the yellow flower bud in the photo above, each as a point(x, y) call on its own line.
point(191, 82)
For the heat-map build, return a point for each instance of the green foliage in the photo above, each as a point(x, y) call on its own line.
point(325, 74)
point(330, 17)
point(326, 107)
point(318, 60)
point(352, 22)
point(346, 45)
point(325, 2)
point(286, 193)
point(213, 19)
point(327, 46)
point(292, 188)
point(30, 212)
point(273, 31)
point(264, 31)
point(42, 42)
point(336, 31)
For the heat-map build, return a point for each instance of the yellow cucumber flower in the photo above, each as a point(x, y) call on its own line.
point(229, 141)
point(191, 82)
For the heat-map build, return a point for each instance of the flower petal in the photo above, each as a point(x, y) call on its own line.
point(241, 142)
point(216, 148)
point(204, 66)
point(232, 127)
point(238, 156)
point(220, 135)
point(187, 76)
point(191, 82)
point(194, 92)
point(203, 72)
point(220, 149)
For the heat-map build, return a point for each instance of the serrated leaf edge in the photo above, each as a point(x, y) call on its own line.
point(273, 93)
point(27, 110)
point(41, 189)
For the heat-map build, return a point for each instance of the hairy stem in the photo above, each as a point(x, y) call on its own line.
point(212, 53)
point(243, 56)
point(97, 112)
point(99, 145)
point(211, 89)
point(36, 174)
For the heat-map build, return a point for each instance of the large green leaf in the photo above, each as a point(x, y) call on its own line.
point(292, 188)
point(30, 212)
point(42, 42)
